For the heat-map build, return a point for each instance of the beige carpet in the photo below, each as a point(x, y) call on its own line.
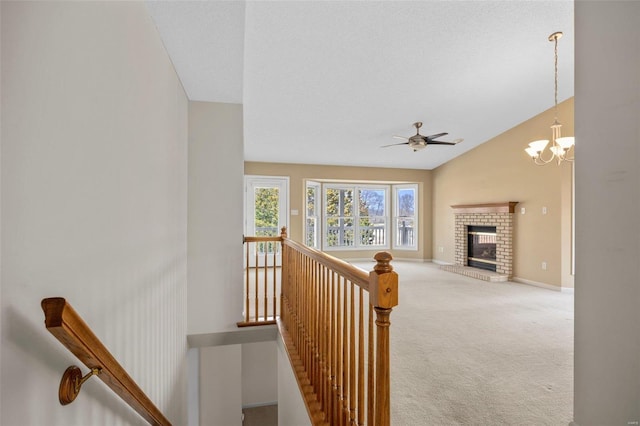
point(470, 352)
point(266, 415)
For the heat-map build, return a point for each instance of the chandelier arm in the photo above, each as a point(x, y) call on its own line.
point(541, 161)
point(565, 155)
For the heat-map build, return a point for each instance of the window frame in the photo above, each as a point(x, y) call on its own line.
point(317, 217)
point(396, 216)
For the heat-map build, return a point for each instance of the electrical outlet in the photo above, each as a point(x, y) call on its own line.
point(544, 266)
point(544, 210)
point(441, 249)
point(522, 210)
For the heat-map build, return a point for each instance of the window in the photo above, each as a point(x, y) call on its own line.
point(361, 216)
point(266, 208)
point(355, 216)
point(405, 218)
point(311, 230)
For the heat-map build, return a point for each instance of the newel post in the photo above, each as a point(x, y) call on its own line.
point(284, 277)
point(383, 296)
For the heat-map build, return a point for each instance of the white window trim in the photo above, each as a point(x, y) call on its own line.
point(276, 181)
point(396, 188)
point(318, 216)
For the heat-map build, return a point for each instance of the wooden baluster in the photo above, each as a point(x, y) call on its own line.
point(296, 285)
point(320, 343)
point(370, 374)
point(339, 357)
point(266, 278)
point(345, 356)
point(305, 308)
point(325, 346)
point(313, 341)
point(302, 311)
point(284, 271)
point(383, 289)
point(247, 292)
point(333, 351)
point(352, 358)
point(256, 282)
point(360, 358)
point(275, 298)
point(320, 359)
point(283, 284)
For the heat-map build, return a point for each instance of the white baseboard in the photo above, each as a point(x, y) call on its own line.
point(441, 262)
point(402, 259)
point(395, 259)
point(260, 404)
point(542, 285)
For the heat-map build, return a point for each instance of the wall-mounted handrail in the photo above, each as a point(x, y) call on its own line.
point(69, 328)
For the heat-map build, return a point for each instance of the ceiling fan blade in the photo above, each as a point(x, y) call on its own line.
point(454, 142)
point(440, 143)
point(394, 144)
point(400, 137)
point(436, 136)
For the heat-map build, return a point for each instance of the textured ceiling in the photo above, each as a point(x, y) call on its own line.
point(329, 82)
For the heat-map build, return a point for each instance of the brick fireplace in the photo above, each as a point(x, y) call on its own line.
point(498, 215)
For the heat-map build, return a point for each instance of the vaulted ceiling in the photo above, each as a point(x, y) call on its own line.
point(329, 82)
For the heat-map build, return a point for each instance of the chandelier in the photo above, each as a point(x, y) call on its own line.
point(561, 148)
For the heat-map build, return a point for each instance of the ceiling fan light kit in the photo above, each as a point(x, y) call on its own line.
point(561, 148)
point(418, 142)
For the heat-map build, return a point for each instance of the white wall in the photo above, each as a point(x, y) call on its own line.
point(221, 385)
point(215, 216)
point(94, 196)
point(607, 295)
point(259, 374)
point(291, 406)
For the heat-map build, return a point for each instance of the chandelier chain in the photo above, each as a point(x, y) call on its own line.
point(555, 111)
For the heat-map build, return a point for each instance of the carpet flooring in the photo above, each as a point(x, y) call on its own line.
point(471, 352)
point(266, 415)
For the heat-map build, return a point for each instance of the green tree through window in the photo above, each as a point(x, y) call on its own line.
point(266, 211)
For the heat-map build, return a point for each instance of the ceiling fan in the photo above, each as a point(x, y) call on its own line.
point(417, 141)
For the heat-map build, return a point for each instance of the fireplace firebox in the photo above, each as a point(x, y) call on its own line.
point(481, 247)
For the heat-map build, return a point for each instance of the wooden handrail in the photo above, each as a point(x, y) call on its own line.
point(342, 268)
point(69, 328)
point(251, 239)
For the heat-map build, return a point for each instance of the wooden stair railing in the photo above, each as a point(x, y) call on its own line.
point(69, 328)
point(327, 325)
point(262, 278)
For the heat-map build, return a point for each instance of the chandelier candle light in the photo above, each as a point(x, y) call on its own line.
point(561, 148)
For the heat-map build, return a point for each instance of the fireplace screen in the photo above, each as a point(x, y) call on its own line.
point(481, 247)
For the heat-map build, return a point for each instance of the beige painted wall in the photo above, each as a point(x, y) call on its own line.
point(299, 173)
point(499, 170)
